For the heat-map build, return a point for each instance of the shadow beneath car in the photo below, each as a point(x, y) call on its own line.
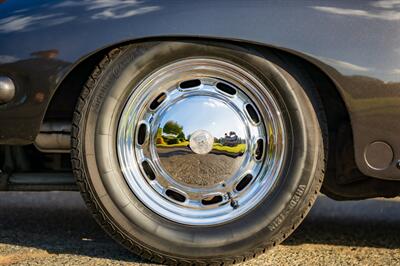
point(59, 223)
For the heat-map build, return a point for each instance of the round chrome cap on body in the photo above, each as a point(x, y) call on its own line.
point(7, 89)
point(201, 141)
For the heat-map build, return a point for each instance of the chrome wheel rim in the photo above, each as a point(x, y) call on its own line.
point(201, 141)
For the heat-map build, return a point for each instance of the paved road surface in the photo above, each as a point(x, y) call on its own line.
point(55, 229)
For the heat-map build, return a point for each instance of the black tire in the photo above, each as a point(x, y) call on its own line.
point(147, 234)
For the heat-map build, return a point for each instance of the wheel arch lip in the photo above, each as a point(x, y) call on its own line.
point(340, 82)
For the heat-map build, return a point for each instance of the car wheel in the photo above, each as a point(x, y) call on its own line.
point(197, 152)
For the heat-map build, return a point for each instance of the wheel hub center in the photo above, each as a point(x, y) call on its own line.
point(201, 142)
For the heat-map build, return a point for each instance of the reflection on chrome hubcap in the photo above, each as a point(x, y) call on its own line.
point(201, 141)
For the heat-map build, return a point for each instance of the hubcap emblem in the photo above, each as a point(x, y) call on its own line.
point(201, 142)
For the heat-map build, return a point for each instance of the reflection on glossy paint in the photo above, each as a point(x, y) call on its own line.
point(110, 9)
point(116, 13)
point(39, 97)
point(385, 10)
point(4, 59)
point(57, 14)
point(396, 71)
point(16, 23)
point(343, 65)
point(49, 54)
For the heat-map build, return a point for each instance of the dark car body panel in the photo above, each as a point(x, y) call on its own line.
point(356, 43)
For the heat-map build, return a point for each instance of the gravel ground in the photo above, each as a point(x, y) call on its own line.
point(56, 229)
point(199, 170)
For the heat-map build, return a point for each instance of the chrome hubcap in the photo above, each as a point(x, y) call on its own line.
point(201, 141)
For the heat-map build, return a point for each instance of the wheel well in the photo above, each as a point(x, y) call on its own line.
point(62, 104)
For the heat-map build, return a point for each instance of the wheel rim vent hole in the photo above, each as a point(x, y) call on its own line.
point(142, 134)
point(148, 170)
point(193, 83)
point(259, 149)
point(158, 101)
point(212, 200)
point(252, 113)
point(175, 195)
point(244, 182)
point(226, 88)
